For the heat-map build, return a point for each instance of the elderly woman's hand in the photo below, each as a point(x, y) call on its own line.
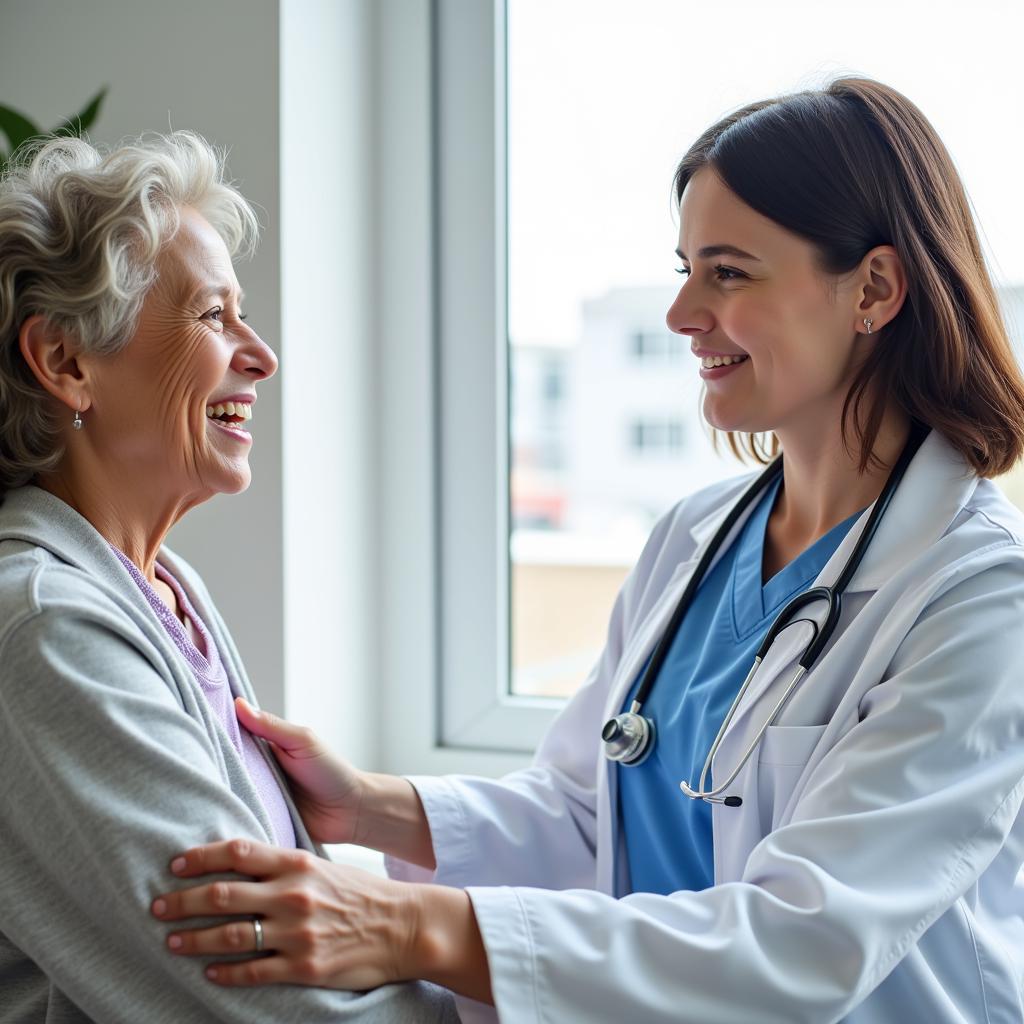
point(322, 923)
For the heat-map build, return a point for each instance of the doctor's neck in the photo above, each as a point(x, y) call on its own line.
point(822, 480)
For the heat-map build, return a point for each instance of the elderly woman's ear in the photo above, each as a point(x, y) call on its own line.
point(55, 361)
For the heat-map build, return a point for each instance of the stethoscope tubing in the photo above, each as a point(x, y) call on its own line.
point(831, 595)
point(667, 638)
point(714, 795)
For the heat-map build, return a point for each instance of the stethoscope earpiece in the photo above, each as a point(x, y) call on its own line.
point(628, 738)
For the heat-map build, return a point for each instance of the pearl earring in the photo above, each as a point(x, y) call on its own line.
point(867, 323)
point(77, 421)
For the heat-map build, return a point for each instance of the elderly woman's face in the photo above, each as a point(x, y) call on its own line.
point(191, 351)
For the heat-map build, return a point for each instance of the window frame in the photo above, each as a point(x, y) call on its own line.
point(443, 394)
point(477, 707)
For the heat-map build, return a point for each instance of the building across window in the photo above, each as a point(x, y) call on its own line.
point(658, 347)
point(657, 436)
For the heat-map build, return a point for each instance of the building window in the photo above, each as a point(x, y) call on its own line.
point(658, 347)
point(651, 436)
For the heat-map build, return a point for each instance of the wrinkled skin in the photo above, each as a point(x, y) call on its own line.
point(146, 453)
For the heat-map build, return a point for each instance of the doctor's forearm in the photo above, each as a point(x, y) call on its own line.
point(391, 819)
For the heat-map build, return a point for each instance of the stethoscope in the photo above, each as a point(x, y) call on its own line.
point(629, 738)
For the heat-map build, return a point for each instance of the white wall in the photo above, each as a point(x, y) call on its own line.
point(212, 67)
point(329, 489)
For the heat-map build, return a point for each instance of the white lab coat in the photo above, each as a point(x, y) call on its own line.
point(873, 871)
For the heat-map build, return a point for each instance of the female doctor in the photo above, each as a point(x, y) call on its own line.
point(837, 836)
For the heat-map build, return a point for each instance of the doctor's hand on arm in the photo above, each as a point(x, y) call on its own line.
point(323, 924)
point(339, 803)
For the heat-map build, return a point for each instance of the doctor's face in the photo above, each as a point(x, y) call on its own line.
point(755, 300)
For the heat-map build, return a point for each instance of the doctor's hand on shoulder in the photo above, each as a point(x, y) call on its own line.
point(338, 802)
point(327, 789)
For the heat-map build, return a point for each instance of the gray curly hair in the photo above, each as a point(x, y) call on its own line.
point(80, 232)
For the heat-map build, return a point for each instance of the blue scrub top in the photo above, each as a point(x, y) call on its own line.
point(668, 835)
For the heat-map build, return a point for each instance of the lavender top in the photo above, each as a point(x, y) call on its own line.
point(209, 671)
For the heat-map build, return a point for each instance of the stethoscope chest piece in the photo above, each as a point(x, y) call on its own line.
point(628, 738)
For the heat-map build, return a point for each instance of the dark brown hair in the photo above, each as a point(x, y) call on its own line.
point(853, 166)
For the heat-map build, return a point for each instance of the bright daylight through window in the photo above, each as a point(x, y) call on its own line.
point(603, 99)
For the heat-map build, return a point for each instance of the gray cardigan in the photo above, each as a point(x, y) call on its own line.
point(112, 762)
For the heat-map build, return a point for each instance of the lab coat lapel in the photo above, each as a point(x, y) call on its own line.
point(645, 639)
point(646, 636)
point(935, 488)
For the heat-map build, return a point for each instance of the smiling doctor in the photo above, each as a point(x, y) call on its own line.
point(836, 836)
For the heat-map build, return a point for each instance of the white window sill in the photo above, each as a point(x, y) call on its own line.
point(357, 857)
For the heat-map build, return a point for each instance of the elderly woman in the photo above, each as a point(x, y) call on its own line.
point(127, 374)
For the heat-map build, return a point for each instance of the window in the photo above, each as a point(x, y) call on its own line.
point(658, 347)
point(553, 383)
point(557, 130)
point(657, 436)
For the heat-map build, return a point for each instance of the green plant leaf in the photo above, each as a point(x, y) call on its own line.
point(16, 127)
point(83, 121)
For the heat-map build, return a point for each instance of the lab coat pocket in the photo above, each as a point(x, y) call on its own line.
point(782, 757)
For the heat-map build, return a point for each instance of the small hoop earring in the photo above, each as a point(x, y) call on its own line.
point(867, 323)
point(77, 421)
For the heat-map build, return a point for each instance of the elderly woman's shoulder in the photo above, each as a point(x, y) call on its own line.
point(60, 624)
point(50, 556)
point(34, 579)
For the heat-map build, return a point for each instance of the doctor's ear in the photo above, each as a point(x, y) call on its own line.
point(54, 361)
point(881, 289)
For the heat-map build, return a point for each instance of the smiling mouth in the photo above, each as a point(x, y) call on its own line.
point(710, 362)
point(229, 417)
point(229, 412)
